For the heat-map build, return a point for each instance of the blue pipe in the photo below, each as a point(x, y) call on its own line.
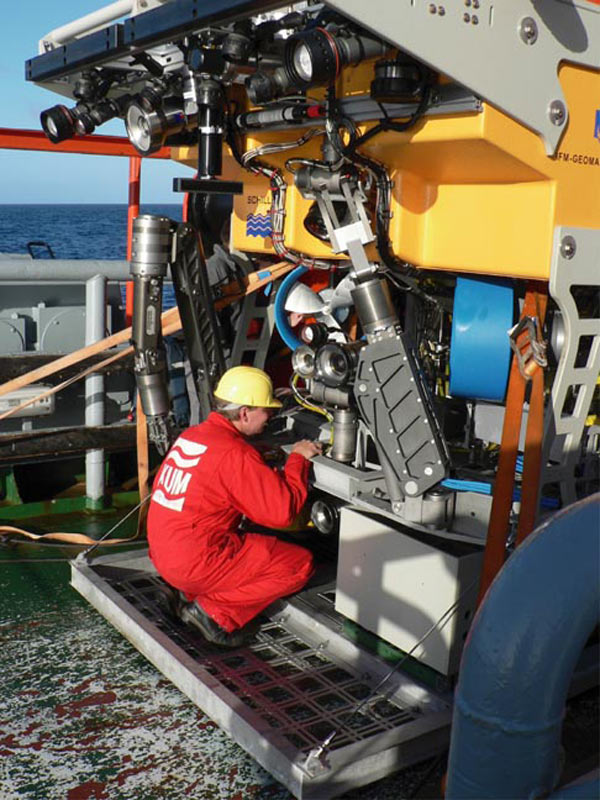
point(519, 660)
point(281, 322)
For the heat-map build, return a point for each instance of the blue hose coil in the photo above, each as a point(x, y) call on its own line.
point(281, 322)
point(479, 348)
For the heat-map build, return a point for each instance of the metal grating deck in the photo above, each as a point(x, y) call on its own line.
point(299, 679)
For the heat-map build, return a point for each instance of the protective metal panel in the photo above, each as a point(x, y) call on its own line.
point(12, 335)
point(575, 267)
point(395, 405)
point(507, 52)
point(60, 330)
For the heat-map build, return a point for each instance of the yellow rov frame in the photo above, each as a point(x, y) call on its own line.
point(473, 192)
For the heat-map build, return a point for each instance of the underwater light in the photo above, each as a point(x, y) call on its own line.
point(58, 123)
point(311, 58)
point(148, 129)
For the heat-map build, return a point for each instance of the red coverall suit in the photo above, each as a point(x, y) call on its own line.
point(209, 479)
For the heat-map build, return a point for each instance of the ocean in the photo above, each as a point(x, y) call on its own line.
point(72, 231)
point(76, 231)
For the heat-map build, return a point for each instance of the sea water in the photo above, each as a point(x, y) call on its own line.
point(75, 231)
point(72, 231)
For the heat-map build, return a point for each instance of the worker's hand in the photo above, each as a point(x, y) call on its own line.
point(307, 448)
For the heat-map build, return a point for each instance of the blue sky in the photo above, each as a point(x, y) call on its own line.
point(34, 177)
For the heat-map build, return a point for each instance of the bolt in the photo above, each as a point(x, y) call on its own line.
point(467, 17)
point(410, 487)
point(441, 12)
point(432, 9)
point(362, 387)
point(568, 247)
point(475, 3)
point(467, 3)
point(475, 19)
point(528, 30)
point(557, 112)
point(428, 471)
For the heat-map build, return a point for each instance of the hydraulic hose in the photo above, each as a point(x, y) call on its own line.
point(281, 322)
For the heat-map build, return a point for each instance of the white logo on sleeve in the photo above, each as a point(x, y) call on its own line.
point(173, 479)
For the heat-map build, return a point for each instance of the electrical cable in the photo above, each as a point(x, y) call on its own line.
point(278, 190)
point(318, 409)
point(334, 121)
point(85, 553)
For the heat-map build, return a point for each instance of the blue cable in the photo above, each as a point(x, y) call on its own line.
point(281, 322)
point(481, 487)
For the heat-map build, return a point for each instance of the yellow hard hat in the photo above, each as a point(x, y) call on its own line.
point(247, 386)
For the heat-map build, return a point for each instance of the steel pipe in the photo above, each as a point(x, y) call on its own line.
point(56, 270)
point(95, 326)
point(86, 24)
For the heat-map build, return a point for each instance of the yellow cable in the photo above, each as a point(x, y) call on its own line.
point(301, 401)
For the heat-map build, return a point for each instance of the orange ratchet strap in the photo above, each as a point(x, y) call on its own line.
point(527, 366)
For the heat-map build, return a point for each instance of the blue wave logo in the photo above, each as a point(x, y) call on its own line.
point(597, 126)
point(259, 225)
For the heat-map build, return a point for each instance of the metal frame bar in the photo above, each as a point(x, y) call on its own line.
point(175, 19)
point(95, 145)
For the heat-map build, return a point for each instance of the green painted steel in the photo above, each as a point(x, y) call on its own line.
point(65, 505)
point(421, 672)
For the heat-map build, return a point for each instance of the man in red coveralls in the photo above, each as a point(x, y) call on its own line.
point(210, 478)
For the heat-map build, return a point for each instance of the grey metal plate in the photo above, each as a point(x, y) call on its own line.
point(298, 680)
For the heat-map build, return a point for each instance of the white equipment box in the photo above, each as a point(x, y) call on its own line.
point(397, 583)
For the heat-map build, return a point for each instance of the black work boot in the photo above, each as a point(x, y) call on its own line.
point(168, 600)
point(192, 614)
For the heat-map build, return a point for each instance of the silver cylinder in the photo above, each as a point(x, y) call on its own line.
point(329, 395)
point(150, 246)
point(153, 394)
point(374, 305)
point(345, 427)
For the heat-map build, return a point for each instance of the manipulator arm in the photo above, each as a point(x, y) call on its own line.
point(151, 254)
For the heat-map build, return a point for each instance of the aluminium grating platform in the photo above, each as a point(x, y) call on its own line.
point(281, 695)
